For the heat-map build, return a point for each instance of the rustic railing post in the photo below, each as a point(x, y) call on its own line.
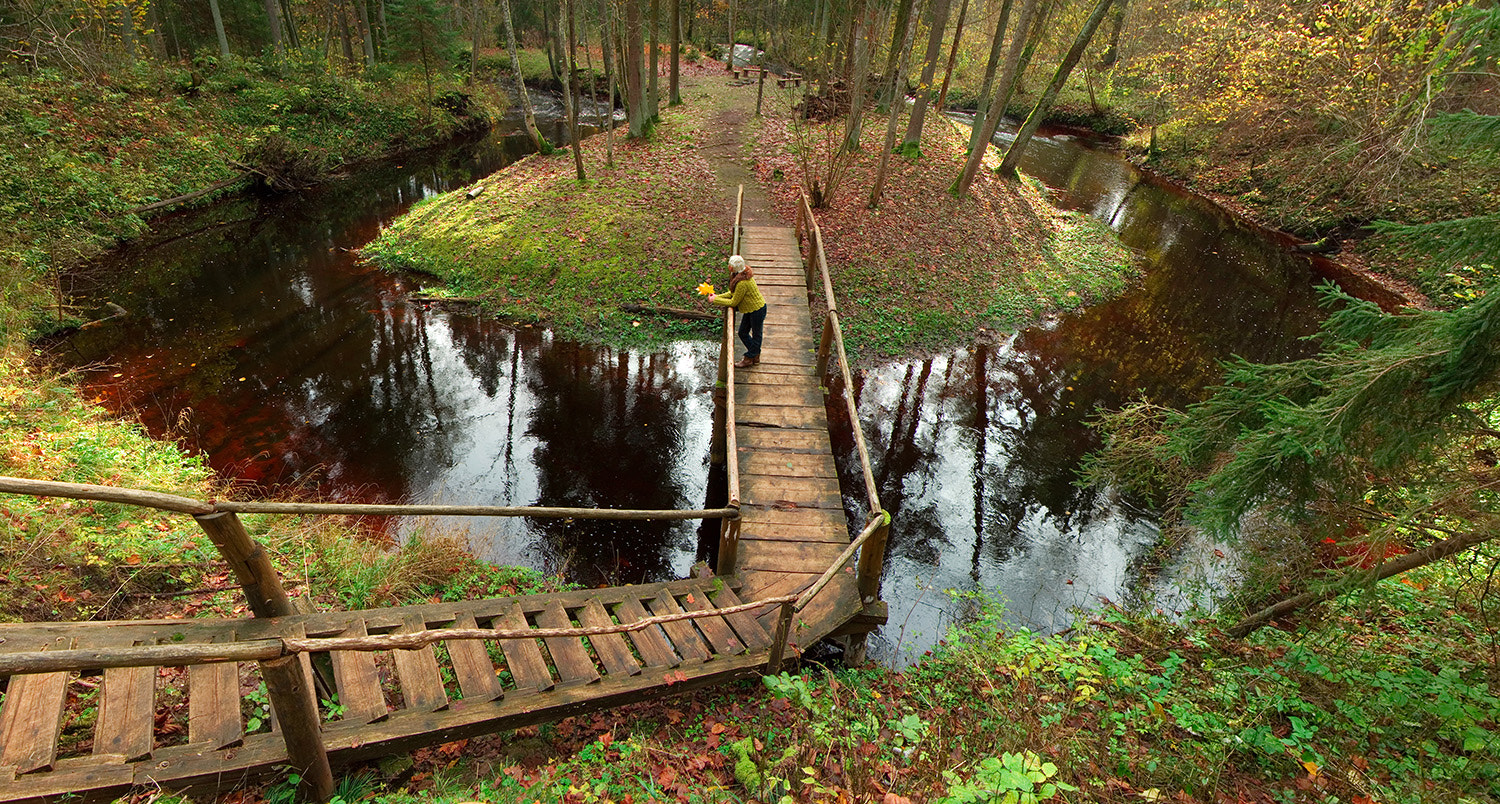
point(729, 542)
point(825, 347)
point(760, 89)
point(297, 715)
point(872, 560)
point(252, 567)
point(286, 684)
point(783, 635)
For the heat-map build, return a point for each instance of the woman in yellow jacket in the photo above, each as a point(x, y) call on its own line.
point(745, 298)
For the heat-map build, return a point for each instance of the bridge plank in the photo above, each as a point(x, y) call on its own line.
point(828, 532)
point(758, 439)
point(684, 636)
point(358, 681)
point(744, 623)
point(522, 656)
point(718, 631)
point(127, 712)
point(31, 716)
point(651, 642)
point(613, 650)
point(214, 705)
point(778, 465)
point(471, 663)
point(574, 665)
point(417, 670)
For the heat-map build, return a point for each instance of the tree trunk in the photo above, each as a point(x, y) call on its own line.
point(997, 45)
point(1044, 103)
point(958, 35)
point(729, 58)
point(929, 68)
point(273, 20)
point(515, 66)
point(213, 7)
point(1117, 21)
point(653, 93)
point(127, 31)
point(552, 66)
point(572, 90)
point(474, 43)
point(1013, 65)
point(158, 43)
point(674, 98)
point(606, 37)
point(635, 84)
point(366, 36)
point(345, 38)
point(862, 57)
point(292, 37)
point(890, 92)
point(692, 14)
point(895, 115)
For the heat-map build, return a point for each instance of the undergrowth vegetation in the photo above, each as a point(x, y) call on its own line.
point(1388, 696)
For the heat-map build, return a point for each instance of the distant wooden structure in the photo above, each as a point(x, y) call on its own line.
point(340, 687)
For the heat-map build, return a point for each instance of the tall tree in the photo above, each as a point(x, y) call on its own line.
point(527, 110)
point(606, 36)
point(213, 7)
point(366, 35)
point(635, 83)
point(1015, 62)
point(573, 93)
point(273, 20)
point(1044, 103)
point(891, 91)
point(958, 35)
point(997, 46)
point(475, 28)
point(674, 98)
point(729, 55)
point(894, 117)
point(862, 56)
point(929, 67)
point(653, 95)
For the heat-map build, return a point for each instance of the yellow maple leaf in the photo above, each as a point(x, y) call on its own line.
point(705, 289)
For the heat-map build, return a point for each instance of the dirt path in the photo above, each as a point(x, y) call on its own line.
point(729, 156)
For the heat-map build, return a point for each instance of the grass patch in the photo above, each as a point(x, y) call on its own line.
point(538, 245)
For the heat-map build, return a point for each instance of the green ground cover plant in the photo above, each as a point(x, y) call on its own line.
point(1386, 696)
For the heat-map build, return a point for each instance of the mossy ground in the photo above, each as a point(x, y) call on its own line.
point(924, 271)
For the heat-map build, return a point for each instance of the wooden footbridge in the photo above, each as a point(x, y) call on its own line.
point(340, 687)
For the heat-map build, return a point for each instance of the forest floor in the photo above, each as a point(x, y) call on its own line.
point(924, 270)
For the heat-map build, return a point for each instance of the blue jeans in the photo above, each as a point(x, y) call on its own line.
point(752, 331)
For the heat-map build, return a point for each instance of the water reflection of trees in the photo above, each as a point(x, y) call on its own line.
point(609, 427)
point(976, 452)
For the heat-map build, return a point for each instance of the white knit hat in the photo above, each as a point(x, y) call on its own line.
point(737, 262)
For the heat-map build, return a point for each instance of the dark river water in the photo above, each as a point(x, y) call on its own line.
point(255, 337)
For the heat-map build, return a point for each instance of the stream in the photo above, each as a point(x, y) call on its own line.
point(257, 339)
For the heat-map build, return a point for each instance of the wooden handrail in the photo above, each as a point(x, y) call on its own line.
point(200, 508)
point(823, 580)
point(833, 326)
point(55, 661)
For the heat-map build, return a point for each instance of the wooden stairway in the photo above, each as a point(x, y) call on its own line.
point(215, 731)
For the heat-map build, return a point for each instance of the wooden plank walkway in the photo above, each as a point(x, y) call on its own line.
point(792, 523)
point(207, 727)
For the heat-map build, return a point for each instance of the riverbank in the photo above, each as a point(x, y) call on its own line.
point(923, 272)
point(86, 162)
